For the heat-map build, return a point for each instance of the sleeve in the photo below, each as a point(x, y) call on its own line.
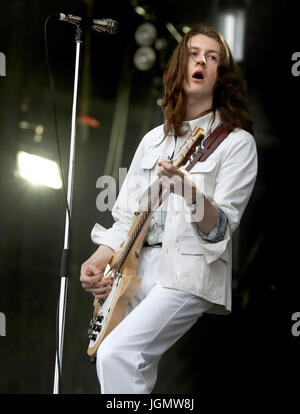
point(218, 232)
point(236, 177)
point(123, 209)
point(234, 183)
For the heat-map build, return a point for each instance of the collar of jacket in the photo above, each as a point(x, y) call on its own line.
point(203, 122)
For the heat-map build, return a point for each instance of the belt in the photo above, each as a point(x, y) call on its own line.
point(146, 244)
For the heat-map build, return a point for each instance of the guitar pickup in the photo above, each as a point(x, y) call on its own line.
point(97, 328)
point(93, 337)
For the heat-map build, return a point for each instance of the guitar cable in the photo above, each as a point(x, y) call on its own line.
point(64, 256)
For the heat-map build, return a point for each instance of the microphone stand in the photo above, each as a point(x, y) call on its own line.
point(65, 253)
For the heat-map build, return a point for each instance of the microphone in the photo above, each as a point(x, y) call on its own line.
point(101, 25)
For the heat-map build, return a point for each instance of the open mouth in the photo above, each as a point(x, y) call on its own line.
point(198, 75)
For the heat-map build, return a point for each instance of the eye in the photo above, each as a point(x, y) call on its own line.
point(212, 58)
point(193, 54)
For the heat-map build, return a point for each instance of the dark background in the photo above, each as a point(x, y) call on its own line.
point(251, 348)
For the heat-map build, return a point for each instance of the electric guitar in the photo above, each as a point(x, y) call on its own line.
point(108, 313)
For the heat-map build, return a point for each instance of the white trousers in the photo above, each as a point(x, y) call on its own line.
point(127, 359)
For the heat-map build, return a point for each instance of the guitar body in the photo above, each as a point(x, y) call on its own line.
point(108, 313)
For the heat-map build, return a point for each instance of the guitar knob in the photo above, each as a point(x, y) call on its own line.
point(100, 318)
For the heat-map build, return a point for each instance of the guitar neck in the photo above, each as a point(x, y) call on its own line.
point(138, 230)
point(136, 235)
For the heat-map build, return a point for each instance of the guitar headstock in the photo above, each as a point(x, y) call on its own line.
point(189, 147)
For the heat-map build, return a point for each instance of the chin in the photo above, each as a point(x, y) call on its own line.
point(196, 94)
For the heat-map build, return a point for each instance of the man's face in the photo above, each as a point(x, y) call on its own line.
point(202, 67)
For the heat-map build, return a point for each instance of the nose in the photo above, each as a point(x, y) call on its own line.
point(201, 60)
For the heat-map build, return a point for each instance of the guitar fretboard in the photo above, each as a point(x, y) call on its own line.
point(181, 159)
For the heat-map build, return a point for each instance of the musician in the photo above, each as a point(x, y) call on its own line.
point(185, 264)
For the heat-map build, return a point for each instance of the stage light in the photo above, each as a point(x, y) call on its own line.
point(145, 34)
point(161, 44)
point(144, 58)
point(140, 10)
point(186, 29)
point(24, 125)
point(38, 170)
point(174, 32)
point(37, 138)
point(39, 129)
point(231, 23)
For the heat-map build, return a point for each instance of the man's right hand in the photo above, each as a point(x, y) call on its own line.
point(92, 272)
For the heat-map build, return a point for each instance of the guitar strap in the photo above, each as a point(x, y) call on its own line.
point(209, 145)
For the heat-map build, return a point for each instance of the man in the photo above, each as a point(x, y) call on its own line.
point(185, 264)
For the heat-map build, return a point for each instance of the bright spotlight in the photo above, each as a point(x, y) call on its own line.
point(38, 170)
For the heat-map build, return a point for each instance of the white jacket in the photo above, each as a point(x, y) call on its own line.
point(227, 177)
